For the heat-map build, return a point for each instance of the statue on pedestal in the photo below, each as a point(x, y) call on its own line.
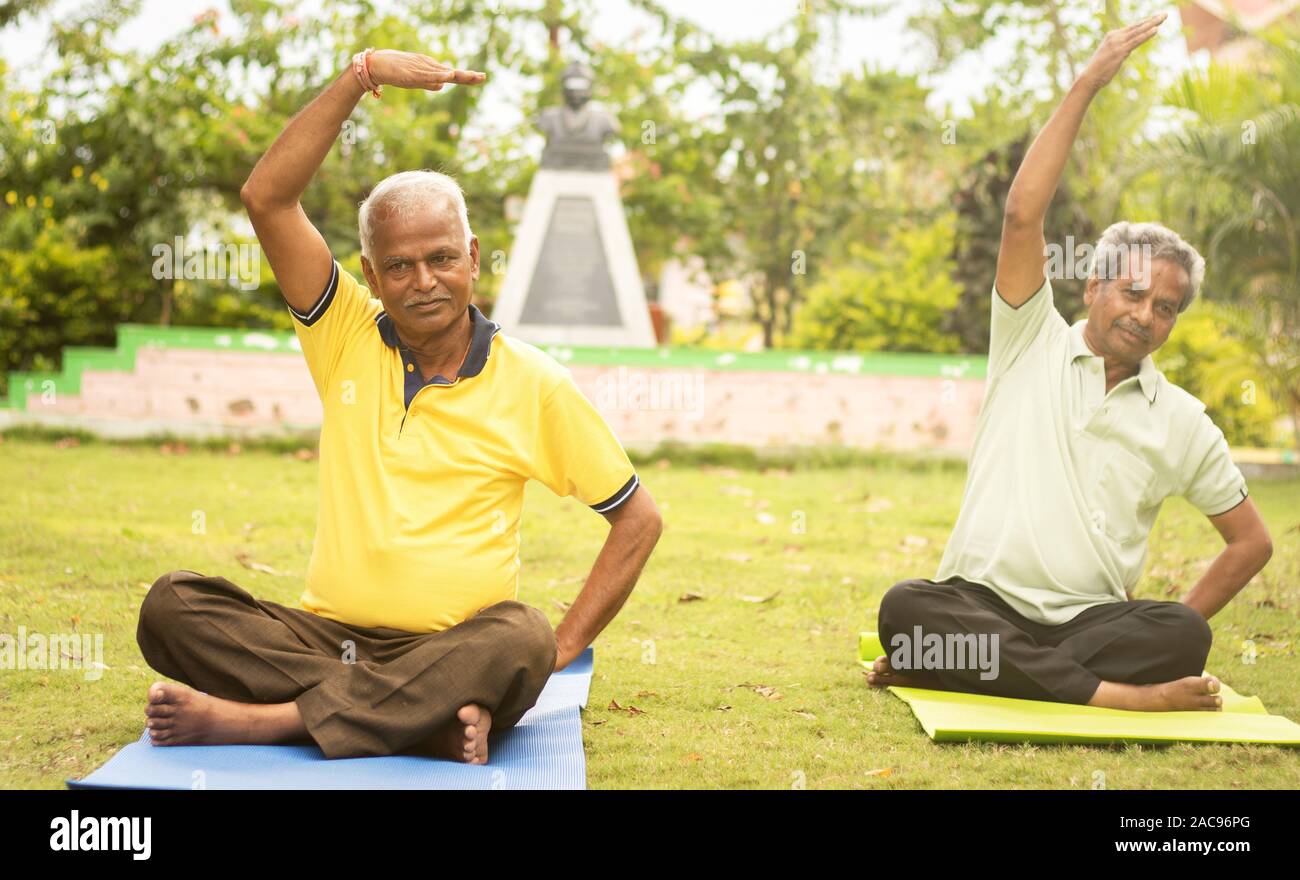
point(576, 132)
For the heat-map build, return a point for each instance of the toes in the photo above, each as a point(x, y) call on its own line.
point(1212, 684)
point(156, 692)
point(159, 710)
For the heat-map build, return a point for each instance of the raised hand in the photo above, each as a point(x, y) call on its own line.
point(1116, 47)
point(411, 70)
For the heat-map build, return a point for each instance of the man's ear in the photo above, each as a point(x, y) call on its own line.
point(372, 280)
point(1090, 290)
point(473, 254)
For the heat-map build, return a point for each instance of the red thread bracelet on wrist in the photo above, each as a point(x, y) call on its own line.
point(361, 67)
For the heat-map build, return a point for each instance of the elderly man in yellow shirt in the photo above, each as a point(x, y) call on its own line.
point(410, 638)
point(1079, 441)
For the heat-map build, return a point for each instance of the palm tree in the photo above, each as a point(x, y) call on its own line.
point(1234, 177)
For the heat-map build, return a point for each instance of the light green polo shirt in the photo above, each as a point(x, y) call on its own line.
point(1065, 481)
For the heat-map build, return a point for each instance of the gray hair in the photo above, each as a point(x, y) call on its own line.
point(1120, 238)
point(401, 194)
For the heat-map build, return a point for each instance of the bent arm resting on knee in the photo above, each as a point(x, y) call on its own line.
point(1248, 549)
point(634, 530)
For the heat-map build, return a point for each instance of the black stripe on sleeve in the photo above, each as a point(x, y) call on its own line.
point(312, 316)
point(618, 498)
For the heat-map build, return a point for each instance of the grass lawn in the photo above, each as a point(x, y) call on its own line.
point(732, 665)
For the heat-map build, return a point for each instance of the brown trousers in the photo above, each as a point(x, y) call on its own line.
point(362, 691)
point(1140, 641)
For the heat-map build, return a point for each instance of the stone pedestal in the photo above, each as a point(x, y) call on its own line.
point(572, 277)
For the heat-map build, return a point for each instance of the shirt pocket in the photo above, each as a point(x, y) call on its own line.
point(1123, 486)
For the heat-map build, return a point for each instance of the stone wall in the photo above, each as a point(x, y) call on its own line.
point(205, 392)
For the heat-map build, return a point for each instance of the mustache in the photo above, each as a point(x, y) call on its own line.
point(426, 301)
point(1135, 330)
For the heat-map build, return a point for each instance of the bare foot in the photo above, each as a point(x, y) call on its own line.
point(882, 676)
point(465, 737)
point(1193, 693)
point(181, 716)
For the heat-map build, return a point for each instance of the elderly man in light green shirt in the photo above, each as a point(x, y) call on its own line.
point(1080, 439)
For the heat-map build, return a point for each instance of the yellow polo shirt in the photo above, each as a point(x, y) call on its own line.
point(422, 484)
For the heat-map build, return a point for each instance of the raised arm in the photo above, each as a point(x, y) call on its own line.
point(1020, 257)
point(294, 247)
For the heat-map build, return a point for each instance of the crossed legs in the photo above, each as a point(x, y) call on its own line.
point(257, 672)
point(1141, 655)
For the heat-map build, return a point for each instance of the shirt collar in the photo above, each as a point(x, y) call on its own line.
point(480, 345)
point(1148, 376)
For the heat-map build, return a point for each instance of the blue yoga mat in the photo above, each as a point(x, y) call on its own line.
point(544, 750)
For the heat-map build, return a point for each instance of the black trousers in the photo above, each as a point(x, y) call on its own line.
point(1135, 642)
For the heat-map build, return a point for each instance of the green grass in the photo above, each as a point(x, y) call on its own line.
point(732, 693)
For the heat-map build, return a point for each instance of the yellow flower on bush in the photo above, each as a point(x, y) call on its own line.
point(102, 184)
point(76, 171)
point(48, 202)
point(31, 201)
point(11, 197)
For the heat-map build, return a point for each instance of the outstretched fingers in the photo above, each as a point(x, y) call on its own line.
point(1137, 34)
point(464, 77)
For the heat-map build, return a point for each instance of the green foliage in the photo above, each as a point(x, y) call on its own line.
point(891, 299)
point(56, 293)
point(1236, 194)
point(1203, 357)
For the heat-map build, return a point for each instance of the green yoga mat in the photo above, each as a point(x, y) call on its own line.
point(947, 716)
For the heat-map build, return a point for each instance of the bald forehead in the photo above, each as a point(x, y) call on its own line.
point(433, 221)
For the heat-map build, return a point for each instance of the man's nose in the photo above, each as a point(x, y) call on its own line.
point(425, 278)
point(1142, 313)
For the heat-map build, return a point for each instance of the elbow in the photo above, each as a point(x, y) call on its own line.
point(1265, 550)
point(1016, 217)
point(254, 199)
point(654, 525)
point(248, 196)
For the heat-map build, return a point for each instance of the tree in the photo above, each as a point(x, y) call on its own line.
point(893, 298)
point(1237, 191)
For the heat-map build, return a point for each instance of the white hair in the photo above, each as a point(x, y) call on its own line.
point(1120, 238)
point(401, 195)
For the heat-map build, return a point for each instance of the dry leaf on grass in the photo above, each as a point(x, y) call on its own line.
point(765, 691)
point(244, 560)
point(759, 600)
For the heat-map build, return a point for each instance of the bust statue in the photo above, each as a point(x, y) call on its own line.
point(576, 132)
